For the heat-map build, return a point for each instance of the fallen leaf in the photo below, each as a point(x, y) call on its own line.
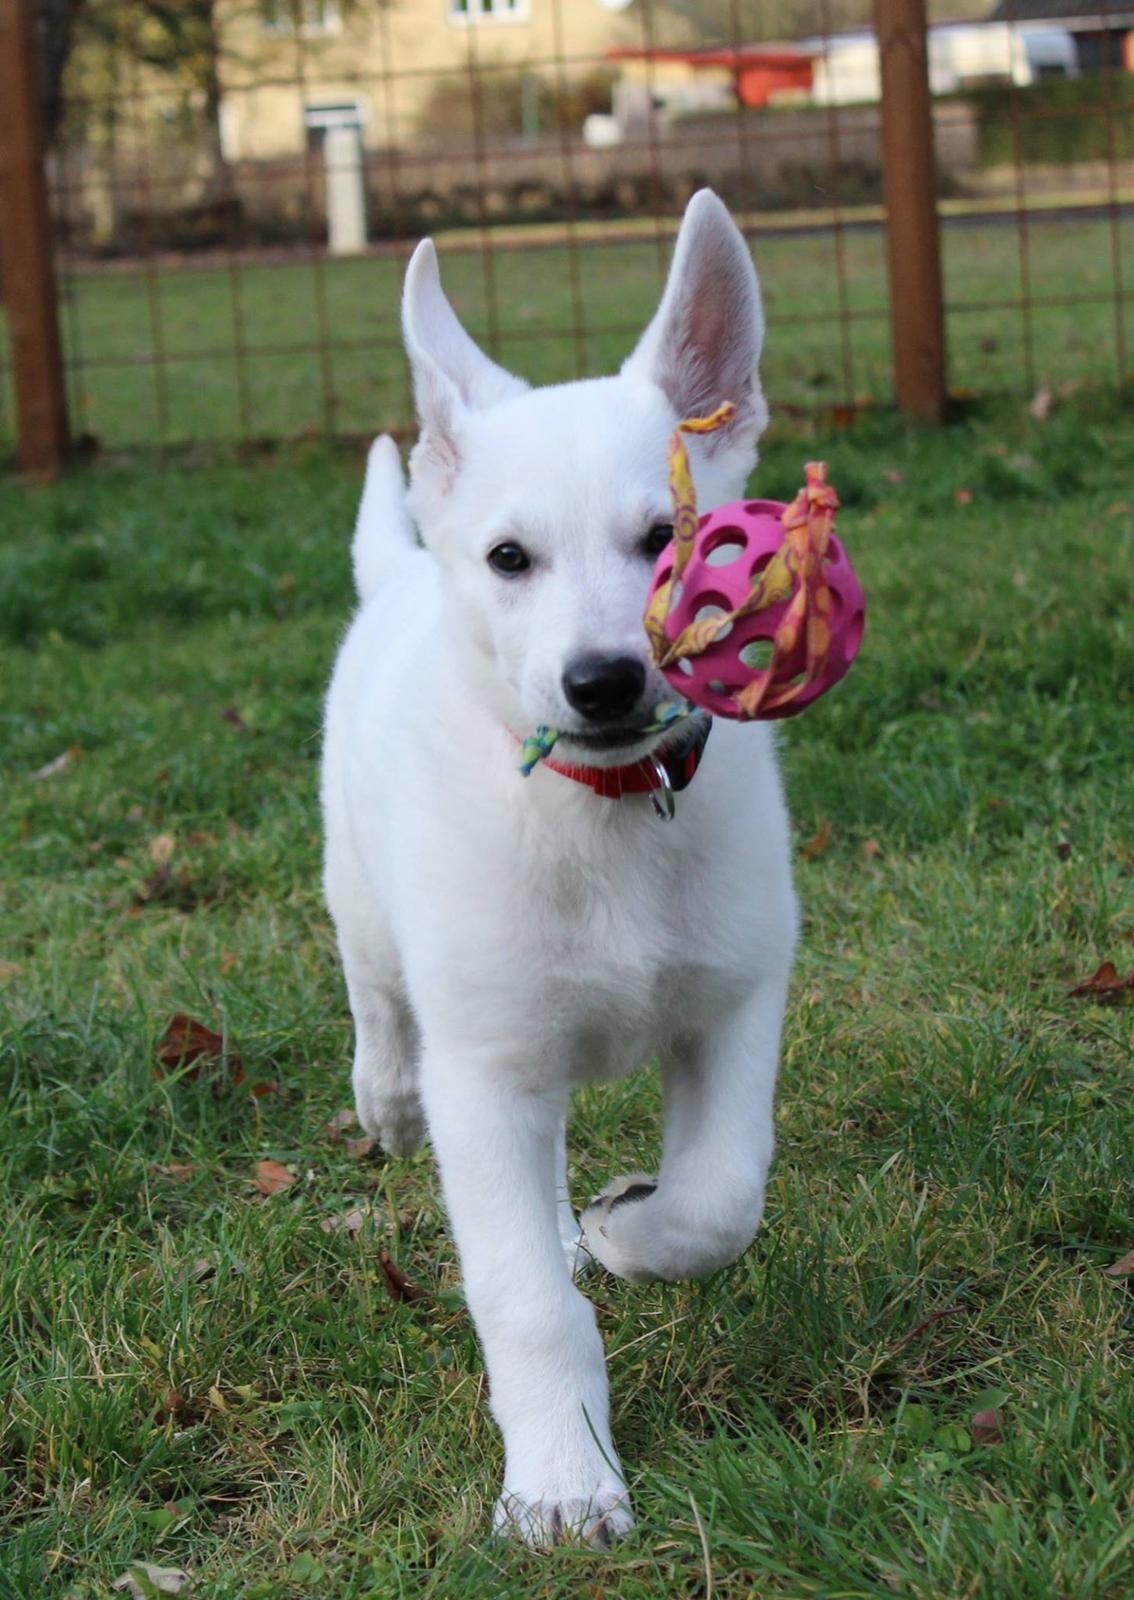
point(179, 1171)
point(227, 962)
point(162, 848)
point(400, 1287)
point(987, 1427)
point(360, 1148)
point(143, 1580)
point(1105, 984)
point(347, 1221)
point(199, 837)
point(231, 714)
point(341, 1119)
point(187, 1043)
point(1122, 1268)
point(272, 1176)
point(53, 768)
point(172, 1401)
point(1041, 404)
point(871, 849)
point(963, 497)
point(305, 1569)
point(816, 845)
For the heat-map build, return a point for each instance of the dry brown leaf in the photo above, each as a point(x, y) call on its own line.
point(143, 1579)
point(400, 1287)
point(179, 1171)
point(227, 962)
point(1105, 984)
point(816, 845)
point(963, 497)
point(1041, 404)
point(871, 849)
point(348, 1221)
point(52, 769)
point(1122, 1268)
point(987, 1427)
point(339, 1122)
point(162, 848)
point(360, 1148)
point(187, 1043)
point(272, 1176)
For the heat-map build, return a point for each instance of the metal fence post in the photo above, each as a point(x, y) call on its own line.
point(26, 267)
point(917, 313)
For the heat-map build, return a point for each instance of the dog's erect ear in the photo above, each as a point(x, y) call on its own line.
point(450, 373)
point(703, 346)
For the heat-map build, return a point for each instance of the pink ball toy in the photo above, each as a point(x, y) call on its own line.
point(732, 545)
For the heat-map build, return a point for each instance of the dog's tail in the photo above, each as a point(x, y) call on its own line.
point(384, 532)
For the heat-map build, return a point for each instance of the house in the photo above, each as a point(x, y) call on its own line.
point(1102, 30)
point(400, 70)
point(962, 55)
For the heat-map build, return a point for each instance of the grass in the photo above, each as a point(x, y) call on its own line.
point(196, 1375)
point(117, 321)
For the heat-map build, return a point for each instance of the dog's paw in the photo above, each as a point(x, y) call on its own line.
point(597, 1519)
point(605, 1235)
point(395, 1120)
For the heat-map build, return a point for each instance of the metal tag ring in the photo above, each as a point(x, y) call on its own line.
point(661, 798)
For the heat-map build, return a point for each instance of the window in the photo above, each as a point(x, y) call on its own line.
point(463, 12)
point(306, 17)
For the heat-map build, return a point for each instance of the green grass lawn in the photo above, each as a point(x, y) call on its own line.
point(116, 320)
point(199, 1376)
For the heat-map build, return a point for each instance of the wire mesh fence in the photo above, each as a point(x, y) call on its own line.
point(235, 189)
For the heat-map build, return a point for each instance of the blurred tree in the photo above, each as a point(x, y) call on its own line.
point(59, 31)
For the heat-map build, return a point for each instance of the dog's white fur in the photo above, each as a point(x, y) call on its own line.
point(504, 938)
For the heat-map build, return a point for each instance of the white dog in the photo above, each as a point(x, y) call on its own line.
point(505, 937)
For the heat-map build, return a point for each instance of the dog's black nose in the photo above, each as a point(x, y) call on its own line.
point(604, 688)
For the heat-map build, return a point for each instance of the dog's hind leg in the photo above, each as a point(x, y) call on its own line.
point(385, 1075)
point(570, 1233)
point(704, 1207)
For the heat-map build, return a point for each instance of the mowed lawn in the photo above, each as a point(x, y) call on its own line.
point(917, 1382)
point(154, 350)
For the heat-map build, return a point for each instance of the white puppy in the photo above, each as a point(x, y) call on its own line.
point(505, 937)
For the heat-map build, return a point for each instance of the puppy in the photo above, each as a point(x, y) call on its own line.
point(505, 937)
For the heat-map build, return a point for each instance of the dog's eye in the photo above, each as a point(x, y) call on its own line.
point(657, 539)
point(509, 559)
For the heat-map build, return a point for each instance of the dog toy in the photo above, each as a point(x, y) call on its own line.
point(755, 609)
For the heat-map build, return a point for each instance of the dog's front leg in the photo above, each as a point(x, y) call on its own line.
point(703, 1209)
point(496, 1142)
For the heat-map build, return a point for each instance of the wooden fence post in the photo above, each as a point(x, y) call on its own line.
point(917, 311)
point(26, 267)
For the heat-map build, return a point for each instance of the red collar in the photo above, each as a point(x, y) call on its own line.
point(678, 763)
